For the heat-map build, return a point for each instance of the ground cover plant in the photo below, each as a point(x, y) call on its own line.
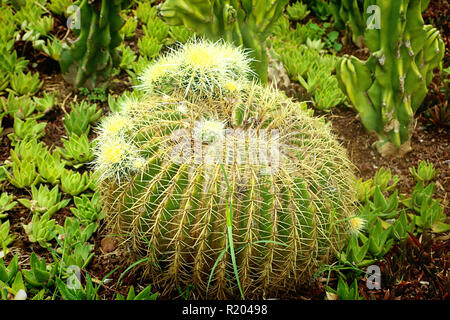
point(98, 200)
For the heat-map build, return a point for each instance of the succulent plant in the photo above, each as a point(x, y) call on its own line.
point(74, 183)
point(89, 60)
point(285, 210)
point(389, 87)
point(44, 200)
point(149, 46)
point(6, 204)
point(26, 130)
point(129, 27)
point(41, 229)
point(50, 166)
point(297, 11)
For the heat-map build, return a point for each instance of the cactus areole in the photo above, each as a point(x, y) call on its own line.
point(89, 61)
point(207, 161)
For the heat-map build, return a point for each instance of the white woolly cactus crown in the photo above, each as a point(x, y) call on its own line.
point(291, 211)
point(198, 69)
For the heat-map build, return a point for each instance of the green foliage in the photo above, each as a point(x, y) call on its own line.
point(314, 72)
point(401, 227)
point(89, 292)
point(389, 87)
point(74, 183)
point(425, 172)
point(11, 280)
point(18, 107)
point(129, 27)
point(320, 8)
point(41, 229)
point(51, 48)
point(145, 294)
point(245, 23)
point(128, 57)
point(11, 65)
point(8, 274)
point(149, 46)
point(23, 172)
point(431, 215)
point(145, 11)
point(6, 204)
point(80, 255)
point(379, 241)
point(81, 115)
point(25, 83)
point(26, 130)
point(385, 180)
point(345, 292)
point(88, 210)
point(136, 69)
point(180, 33)
point(5, 238)
point(28, 150)
point(75, 233)
point(297, 11)
point(59, 7)
point(91, 59)
point(157, 29)
point(355, 255)
point(40, 274)
point(44, 200)
point(77, 150)
point(41, 26)
point(96, 94)
point(316, 45)
point(50, 166)
point(46, 102)
point(117, 104)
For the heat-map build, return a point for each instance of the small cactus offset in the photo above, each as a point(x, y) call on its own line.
point(389, 87)
point(176, 173)
point(199, 70)
point(245, 23)
point(90, 59)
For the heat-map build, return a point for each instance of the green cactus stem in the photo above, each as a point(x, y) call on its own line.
point(90, 59)
point(245, 23)
point(389, 87)
point(349, 15)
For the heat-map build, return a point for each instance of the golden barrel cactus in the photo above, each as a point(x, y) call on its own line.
point(184, 180)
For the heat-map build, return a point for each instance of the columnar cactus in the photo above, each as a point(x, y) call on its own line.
point(389, 87)
point(349, 14)
point(89, 61)
point(176, 173)
point(245, 23)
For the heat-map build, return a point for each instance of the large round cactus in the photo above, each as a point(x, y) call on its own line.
point(177, 175)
